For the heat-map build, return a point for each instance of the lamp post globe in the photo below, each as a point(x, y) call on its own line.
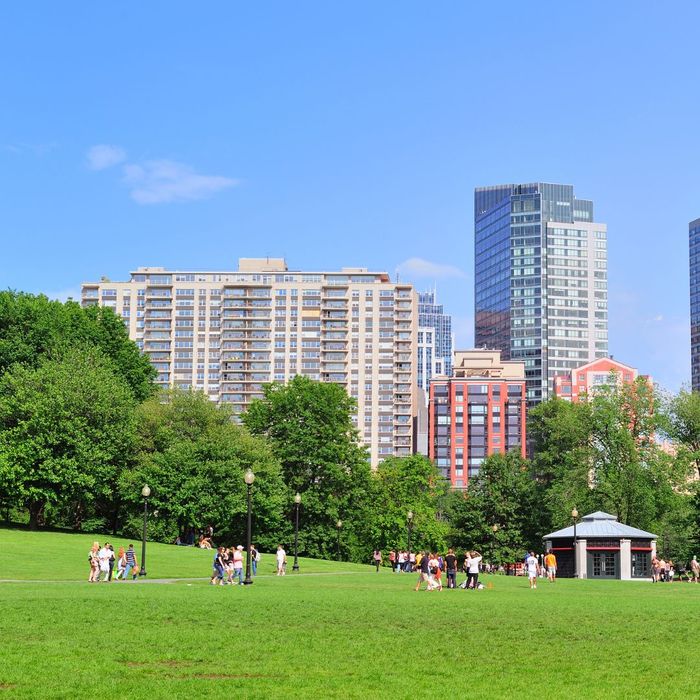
point(297, 503)
point(249, 478)
point(145, 492)
point(574, 517)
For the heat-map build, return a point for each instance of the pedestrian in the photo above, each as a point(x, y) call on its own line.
point(218, 567)
point(104, 555)
point(377, 557)
point(550, 562)
point(411, 563)
point(112, 559)
point(121, 563)
point(238, 564)
point(281, 561)
point(402, 562)
point(94, 560)
point(392, 561)
point(473, 561)
point(254, 559)
point(695, 568)
point(451, 564)
point(532, 569)
point(423, 570)
point(130, 562)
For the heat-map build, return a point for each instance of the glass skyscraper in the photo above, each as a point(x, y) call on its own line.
point(694, 243)
point(540, 280)
point(434, 340)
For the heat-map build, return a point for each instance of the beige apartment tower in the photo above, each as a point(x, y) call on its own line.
point(228, 333)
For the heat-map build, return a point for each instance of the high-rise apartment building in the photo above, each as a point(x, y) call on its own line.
point(477, 412)
point(228, 333)
point(694, 245)
point(434, 340)
point(541, 286)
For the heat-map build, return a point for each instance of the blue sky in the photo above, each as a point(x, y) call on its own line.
point(349, 134)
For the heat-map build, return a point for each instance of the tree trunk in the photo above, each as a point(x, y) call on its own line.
point(35, 509)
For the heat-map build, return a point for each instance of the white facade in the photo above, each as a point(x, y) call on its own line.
point(228, 333)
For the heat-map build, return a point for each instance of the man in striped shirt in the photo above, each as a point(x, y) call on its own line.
point(130, 562)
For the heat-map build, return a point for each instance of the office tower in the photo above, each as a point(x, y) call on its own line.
point(540, 279)
point(479, 411)
point(583, 381)
point(434, 340)
point(694, 244)
point(228, 333)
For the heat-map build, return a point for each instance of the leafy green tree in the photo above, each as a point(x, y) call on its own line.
point(193, 456)
point(680, 420)
point(310, 429)
point(498, 514)
point(66, 427)
point(33, 328)
point(400, 485)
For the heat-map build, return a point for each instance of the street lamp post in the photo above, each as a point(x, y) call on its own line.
point(574, 517)
point(494, 529)
point(409, 527)
point(249, 478)
point(339, 524)
point(145, 492)
point(297, 503)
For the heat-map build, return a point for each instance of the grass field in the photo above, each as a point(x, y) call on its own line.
point(342, 632)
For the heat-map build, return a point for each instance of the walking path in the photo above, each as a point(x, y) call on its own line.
point(178, 580)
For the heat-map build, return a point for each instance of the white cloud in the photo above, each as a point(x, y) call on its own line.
point(104, 156)
point(160, 181)
point(418, 267)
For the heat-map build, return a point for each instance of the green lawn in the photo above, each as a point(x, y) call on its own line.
point(354, 634)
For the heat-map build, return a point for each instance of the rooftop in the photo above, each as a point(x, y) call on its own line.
point(600, 524)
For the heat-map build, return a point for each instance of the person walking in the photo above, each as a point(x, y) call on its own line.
point(121, 563)
point(254, 559)
point(451, 564)
point(550, 562)
point(94, 560)
point(423, 571)
point(218, 567)
point(238, 564)
point(130, 562)
point(402, 562)
point(112, 559)
point(392, 561)
point(473, 561)
point(377, 558)
point(104, 555)
point(281, 561)
point(532, 569)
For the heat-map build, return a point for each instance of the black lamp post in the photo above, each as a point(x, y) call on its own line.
point(409, 527)
point(339, 524)
point(145, 492)
point(574, 517)
point(249, 478)
point(297, 503)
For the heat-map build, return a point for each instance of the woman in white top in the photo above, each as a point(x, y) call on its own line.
point(281, 561)
point(473, 561)
point(104, 555)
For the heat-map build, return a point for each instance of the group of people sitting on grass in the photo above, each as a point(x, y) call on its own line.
point(103, 561)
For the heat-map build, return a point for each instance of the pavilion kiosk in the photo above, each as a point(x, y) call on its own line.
point(601, 547)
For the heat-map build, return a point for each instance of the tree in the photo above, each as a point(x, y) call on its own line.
point(193, 456)
point(680, 421)
point(498, 514)
point(33, 328)
point(400, 485)
point(310, 430)
point(66, 427)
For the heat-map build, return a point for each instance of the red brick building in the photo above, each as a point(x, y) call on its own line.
point(479, 411)
point(585, 379)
